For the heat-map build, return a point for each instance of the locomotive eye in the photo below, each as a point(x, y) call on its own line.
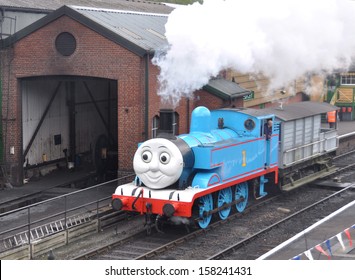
point(164, 158)
point(147, 156)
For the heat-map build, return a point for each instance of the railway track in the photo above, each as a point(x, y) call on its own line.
point(176, 243)
point(248, 229)
point(264, 240)
point(84, 209)
point(346, 166)
point(236, 232)
point(134, 246)
point(26, 199)
point(142, 246)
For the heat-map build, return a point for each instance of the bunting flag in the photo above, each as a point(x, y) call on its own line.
point(308, 253)
point(340, 239)
point(347, 232)
point(327, 243)
point(320, 249)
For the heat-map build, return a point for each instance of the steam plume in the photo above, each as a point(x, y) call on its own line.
point(281, 39)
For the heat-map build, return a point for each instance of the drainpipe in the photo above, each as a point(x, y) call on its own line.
point(1, 140)
point(188, 115)
point(146, 91)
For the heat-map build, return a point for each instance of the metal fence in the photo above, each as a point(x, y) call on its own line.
point(26, 225)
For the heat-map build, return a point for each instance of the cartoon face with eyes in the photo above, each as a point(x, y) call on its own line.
point(158, 163)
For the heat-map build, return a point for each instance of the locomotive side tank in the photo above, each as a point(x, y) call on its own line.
point(204, 172)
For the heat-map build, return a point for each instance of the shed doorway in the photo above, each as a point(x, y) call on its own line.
point(69, 122)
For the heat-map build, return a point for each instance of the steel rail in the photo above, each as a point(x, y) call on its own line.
point(245, 241)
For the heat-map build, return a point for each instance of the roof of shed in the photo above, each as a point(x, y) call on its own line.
point(295, 111)
point(225, 89)
point(131, 5)
point(139, 32)
point(145, 30)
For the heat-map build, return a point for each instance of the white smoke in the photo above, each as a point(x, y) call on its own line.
point(179, 220)
point(282, 39)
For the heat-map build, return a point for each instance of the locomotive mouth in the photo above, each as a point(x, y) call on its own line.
point(154, 178)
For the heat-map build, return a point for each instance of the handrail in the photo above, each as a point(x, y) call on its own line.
point(31, 224)
point(63, 195)
point(346, 135)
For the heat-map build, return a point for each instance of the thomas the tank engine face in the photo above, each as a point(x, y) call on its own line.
point(158, 163)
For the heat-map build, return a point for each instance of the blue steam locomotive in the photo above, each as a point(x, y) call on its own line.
point(209, 171)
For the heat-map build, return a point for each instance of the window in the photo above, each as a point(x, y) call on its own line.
point(249, 124)
point(65, 44)
point(348, 79)
point(166, 123)
point(155, 126)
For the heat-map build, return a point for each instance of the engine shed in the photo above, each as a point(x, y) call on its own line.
point(76, 85)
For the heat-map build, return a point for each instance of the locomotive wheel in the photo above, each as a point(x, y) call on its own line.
point(205, 204)
point(224, 197)
point(241, 190)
